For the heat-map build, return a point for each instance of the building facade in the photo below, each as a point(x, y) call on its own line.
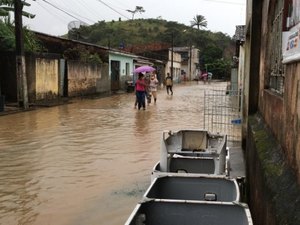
point(271, 110)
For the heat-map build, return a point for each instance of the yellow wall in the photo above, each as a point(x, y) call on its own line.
point(46, 78)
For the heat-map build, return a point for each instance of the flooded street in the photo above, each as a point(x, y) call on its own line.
point(89, 162)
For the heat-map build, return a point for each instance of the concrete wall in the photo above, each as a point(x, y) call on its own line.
point(45, 78)
point(103, 84)
point(82, 78)
point(42, 77)
point(41, 72)
point(274, 194)
point(280, 112)
point(46, 85)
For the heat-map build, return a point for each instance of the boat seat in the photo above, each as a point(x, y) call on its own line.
point(210, 197)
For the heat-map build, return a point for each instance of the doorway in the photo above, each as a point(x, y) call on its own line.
point(115, 75)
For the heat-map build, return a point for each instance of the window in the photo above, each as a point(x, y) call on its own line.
point(276, 69)
point(293, 13)
point(127, 68)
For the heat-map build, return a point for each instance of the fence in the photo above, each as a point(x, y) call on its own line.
point(222, 112)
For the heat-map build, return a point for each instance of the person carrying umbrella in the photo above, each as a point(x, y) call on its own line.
point(141, 91)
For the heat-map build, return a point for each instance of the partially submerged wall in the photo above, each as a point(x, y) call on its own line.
point(42, 77)
point(46, 78)
point(83, 78)
point(274, 194)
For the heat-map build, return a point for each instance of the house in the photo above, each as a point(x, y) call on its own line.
point(189, 62)
point(183, 60)
point(120, 69)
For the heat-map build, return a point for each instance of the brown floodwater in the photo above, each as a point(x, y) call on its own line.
point(89, 162)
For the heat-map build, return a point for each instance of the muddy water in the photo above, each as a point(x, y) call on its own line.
point(89, 162)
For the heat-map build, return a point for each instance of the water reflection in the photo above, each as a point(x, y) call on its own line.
point(88, 162)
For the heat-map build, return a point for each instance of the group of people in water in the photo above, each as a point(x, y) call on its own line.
point(146, 88)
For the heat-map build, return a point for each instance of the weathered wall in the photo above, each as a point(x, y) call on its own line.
point(271, 107)
point(280, 112)
point(291, 136)
point(274, 194)
point(42, 77)
point(46, 78)
point(103, 84)
point(82, 78)
point(273, 137)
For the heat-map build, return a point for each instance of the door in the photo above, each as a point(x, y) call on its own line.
point(115, 75)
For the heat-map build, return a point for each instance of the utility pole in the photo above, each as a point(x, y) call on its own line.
point(190, 61)
point(22, 93)
point(172, 53)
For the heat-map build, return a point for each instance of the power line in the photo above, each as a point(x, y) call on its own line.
point(63, 11)
point(121, 5)
point(90, 9)
point(57, 16)
point(113, 9)
point(226, 2)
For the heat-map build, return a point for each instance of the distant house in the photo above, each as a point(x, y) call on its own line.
point(120, 69)
point(185, 60)
point(189, 62)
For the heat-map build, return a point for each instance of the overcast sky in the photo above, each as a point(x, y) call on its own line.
point(53, 16)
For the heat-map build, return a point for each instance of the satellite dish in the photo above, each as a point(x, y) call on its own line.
point(76, 24)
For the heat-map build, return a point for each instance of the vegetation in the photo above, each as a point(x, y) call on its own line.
point(199, 21)
point(216, 49)
point(82, 54)
point(8, 43)
point(139, 9)
point(7, 29)
point(7, 6)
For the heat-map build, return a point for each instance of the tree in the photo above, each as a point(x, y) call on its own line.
point(199, 21)
point(139, 9)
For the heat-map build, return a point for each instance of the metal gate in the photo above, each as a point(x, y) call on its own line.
point(222, 112)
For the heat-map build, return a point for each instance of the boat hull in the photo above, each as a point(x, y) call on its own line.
point(192, 213)
point(192, 152)
point(198, 188)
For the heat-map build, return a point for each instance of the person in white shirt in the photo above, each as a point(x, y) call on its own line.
point(153, 86)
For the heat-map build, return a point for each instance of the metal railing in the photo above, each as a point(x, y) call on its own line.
point(223, 112)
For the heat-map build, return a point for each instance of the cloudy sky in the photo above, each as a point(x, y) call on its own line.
point(53, 16)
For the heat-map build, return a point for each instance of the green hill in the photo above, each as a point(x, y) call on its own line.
point(129, 33)
point(216, 48)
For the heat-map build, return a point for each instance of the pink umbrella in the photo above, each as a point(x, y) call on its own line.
point(142, 69)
